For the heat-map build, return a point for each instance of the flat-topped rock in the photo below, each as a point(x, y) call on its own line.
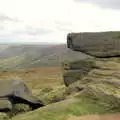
point(97, 44)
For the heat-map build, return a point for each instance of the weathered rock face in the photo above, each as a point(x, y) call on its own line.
point(101, 83)
point(77, 70)
point(100, 44)
point(15, 91)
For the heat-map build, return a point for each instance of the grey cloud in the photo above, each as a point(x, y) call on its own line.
point(7, 18)
point(8, 36)
point(113, 4)
point(34, 31)
point(12, 38)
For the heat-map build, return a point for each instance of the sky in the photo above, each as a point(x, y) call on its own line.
point(49, 21)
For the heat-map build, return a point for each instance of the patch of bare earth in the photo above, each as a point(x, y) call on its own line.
point(96, 117)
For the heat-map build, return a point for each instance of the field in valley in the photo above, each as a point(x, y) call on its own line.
point(36, 78)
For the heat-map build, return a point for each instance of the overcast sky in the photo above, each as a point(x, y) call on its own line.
point(51, 20)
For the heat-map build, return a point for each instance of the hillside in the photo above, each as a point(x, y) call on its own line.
point(22, 56)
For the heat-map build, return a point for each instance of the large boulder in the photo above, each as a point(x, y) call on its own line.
point(99, 44)
point(99, 84)
point(15, 91)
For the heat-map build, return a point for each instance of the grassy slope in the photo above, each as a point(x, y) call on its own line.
point(96, 117)
point(62, 110)
point(96, 99)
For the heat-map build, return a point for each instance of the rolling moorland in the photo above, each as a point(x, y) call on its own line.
point(26, 56)
point(43, 68)
point(39, 66)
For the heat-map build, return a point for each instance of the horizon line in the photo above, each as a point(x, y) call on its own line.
point(35, 43)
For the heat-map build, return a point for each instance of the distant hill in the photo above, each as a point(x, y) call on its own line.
point(22, 56)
